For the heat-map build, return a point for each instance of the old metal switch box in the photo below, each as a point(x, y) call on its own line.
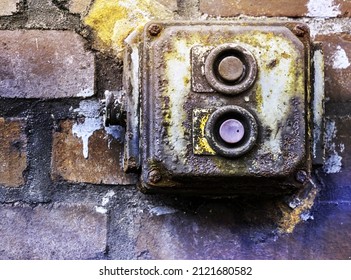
point(225, 107)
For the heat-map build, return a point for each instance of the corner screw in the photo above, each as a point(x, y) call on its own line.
point(300, 30)
point(154, 29)
point(154, 176)
point(301, 176)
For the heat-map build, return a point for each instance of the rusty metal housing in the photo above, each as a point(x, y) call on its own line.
point(270, 80)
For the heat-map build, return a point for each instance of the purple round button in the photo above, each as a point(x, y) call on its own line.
point(231, 131)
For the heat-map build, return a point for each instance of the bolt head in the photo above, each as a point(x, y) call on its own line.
point(154, 176)
point(154, 29)
point(301, 176)
point(300, 30)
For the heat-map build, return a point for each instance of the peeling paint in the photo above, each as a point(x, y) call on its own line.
point(86, 92)
point(323, 8)
point(116, 132)
point(340, 59)
point(88, 109)
point(333, 162)
point(178, 68)
point(342, 148)
point(100, 209)
point(321, 26)
point(107, 197)
point(162, 210)
point(105, 200)
point(318, 102)
point(114, 20)
point(306, 216)
point(273, 84)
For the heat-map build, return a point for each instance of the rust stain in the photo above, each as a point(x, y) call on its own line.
point(292, 217)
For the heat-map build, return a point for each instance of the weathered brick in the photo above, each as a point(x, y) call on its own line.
point(45, 64)
point(345, 7)
point(93, 158)
point(272, 8)
point(254, 8)
point(337, 50)
point(8, 7)
point(13, 156)
point(79, 6)
point(60, 232)
point(242, 230)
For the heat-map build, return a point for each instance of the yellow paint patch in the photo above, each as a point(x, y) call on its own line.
point(259, 98)
point(112, 21)
point(291, 218)
point(201, 144)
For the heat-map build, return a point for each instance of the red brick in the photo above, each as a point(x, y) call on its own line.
point(274, 8)
point(13, 156)
point(345, 7)
point(103, 165)
point(45, 64)
point(337, 53)
point(228, 8)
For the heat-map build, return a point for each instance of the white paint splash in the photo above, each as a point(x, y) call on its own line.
point(323, 8)
point(107, 197)
point(90, 110)
point(85, 130)
point(100, 209)
point(162, 210)
point(319, 26)
point(342, 147)
point(333, 162)
point(305, 216)
point(105, 200)
point(340, 59)
point(87, 92)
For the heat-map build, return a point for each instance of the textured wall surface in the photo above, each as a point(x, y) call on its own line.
point(63, 193)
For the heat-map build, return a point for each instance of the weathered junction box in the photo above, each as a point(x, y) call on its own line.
point(222, 107)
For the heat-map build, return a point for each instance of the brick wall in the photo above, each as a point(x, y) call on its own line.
point(61, 177)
